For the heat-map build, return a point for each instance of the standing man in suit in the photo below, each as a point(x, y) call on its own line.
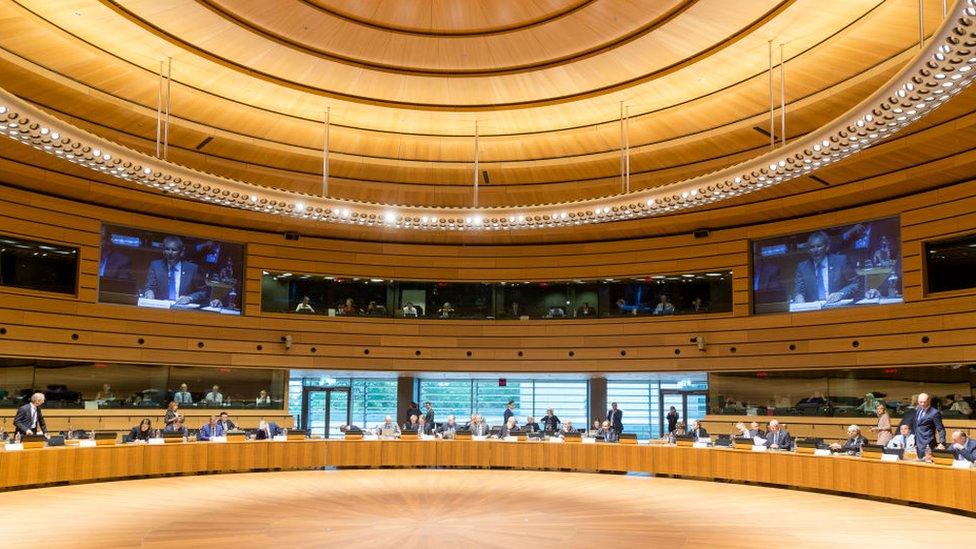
point(778, 438)
point(616, 418)
point(173, 278)
point(210, 430)
point(823, 276)
point(29, 419)
point(509, 411)
point(963, 447)
point(428, 414)
point(925, 423)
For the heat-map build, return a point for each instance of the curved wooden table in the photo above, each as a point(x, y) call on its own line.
point(905, 482)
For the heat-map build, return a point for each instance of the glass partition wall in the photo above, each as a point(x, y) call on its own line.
point(843, 392)
point(99, 385)
point(660, 295)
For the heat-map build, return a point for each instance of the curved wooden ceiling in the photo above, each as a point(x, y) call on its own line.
point(406, 80)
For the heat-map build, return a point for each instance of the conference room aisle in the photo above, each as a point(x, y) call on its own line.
point(455, 508)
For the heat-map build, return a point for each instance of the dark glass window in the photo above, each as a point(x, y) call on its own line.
point(38, 266)
point(951, 264)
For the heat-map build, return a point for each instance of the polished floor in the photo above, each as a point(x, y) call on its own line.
point(456, 509)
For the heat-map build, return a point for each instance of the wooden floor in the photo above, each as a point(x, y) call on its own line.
point(456, 509)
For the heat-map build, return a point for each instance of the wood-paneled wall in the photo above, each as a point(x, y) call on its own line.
point(41, 325)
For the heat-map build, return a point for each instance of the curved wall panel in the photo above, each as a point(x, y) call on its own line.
point(39, 325)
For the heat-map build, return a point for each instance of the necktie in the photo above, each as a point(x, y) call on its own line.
point(821, 283)
point(918, 418)
point(172, 283)
point(33, 417)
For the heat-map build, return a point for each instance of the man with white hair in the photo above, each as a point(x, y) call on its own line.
point(855, 440)
point(389, 429)
point(926, 424)
point(29, 419)
point(696, 430)
point(778, 438)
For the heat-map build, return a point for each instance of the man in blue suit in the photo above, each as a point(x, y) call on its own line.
point(823, 276)
point(926, 424)
point(173, 278)
point(269, 430)
point(210, 430)
point(963, 447)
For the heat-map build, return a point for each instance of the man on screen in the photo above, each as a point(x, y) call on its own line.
point(823, 276)
point(173, 278)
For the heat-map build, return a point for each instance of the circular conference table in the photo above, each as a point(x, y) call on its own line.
point(906, 482)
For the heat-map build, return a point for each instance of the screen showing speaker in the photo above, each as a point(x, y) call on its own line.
point(843, 266)
point(169, 271)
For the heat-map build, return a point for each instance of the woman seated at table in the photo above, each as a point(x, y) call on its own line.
point(530, 425)
point(141, 432)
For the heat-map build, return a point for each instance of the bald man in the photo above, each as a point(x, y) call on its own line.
point(963, 447)
point(29, 419)
point(925, 423)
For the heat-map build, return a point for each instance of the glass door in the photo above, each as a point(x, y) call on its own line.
point(689, 405)
point(325, 409)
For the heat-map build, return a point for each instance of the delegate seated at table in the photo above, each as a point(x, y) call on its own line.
point(210, 430)
point(607, 433)
point(267, 430)
point(778, 438)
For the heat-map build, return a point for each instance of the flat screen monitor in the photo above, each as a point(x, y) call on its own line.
point(169, 271)
point(829, 268)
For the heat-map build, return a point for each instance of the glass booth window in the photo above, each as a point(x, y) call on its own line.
point(228, 387)
point(661, 295)
point(689, 293)
point(951, 264)
point(38, 266)
point(843, 393)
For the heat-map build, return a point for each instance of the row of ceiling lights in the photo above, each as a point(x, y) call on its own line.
point(938, 75)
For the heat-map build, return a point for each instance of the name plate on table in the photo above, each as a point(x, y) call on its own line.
point(759, 448)
point(889, 457)
point(823, 452)
point(510, 439)
point(479, 437)
point(87, 443)
point(588, 440)
point(218, 439)
point(702, 444)
point(556, 440)
point(156, 441)
point(13, 447)
point(961, 464)
point(426, 437)
point(371, 437)
point(279, 438)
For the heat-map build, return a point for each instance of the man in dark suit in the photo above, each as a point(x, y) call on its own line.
point(616, 418)
point(697, 430)
point(509, 412)
point(173, 278)
point(963, 447)
point(778, 438)
point(755, 431)
point(113, 264)
point(29, 419)
point(823, 276)
point(926, 424)
point(428, 414)
point(855, 440)
point(225, 423)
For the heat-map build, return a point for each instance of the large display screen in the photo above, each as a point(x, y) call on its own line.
point(856, 264)
point(168, 271)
